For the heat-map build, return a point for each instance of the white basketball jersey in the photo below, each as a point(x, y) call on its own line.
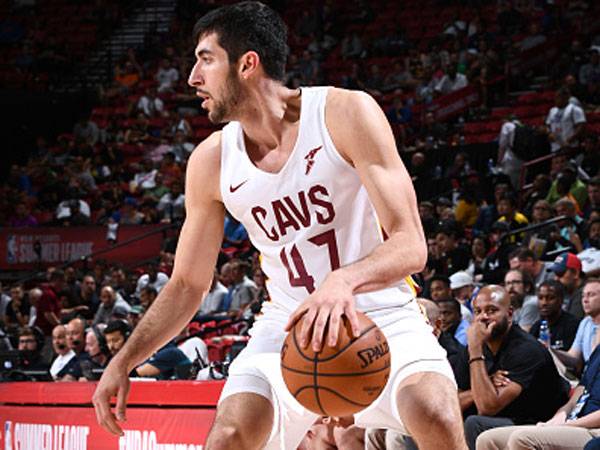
point(308, 219)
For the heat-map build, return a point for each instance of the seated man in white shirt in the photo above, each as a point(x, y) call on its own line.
point(62, 350)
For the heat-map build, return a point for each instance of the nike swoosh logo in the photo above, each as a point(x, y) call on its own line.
point(232, 188)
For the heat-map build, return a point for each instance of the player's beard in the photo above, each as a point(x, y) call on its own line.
point(222, 110)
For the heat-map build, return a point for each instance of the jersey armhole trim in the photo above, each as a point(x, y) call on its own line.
point(326, 133)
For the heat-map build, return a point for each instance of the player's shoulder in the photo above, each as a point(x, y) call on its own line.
point(347, 101)
point(204, 164)
point(207, 152)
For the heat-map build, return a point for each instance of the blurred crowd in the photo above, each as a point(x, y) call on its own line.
point(517, 250)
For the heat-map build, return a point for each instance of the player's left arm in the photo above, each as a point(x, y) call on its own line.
point(362, 135)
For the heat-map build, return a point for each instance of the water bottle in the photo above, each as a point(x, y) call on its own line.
point(545, 333)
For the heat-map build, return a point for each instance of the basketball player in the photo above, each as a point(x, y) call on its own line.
point(314, 176)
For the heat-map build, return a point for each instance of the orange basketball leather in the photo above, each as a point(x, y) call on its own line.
point(341, 380)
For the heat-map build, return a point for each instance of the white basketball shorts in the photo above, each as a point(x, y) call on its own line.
point(257, 370)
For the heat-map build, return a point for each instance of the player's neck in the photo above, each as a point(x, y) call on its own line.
point(268, 109)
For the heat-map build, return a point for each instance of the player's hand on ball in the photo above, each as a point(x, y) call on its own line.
point(324, 306)
point(114, 383)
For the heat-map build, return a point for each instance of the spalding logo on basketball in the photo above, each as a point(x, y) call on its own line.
point(341, 380)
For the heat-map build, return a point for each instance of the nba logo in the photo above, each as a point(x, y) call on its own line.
point(8, 435)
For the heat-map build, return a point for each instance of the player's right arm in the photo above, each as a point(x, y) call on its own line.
point(196, 255)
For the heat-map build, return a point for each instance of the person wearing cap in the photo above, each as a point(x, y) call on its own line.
point(567, 268)
point(135, 315)
point(109, 301)
point(587, 336)
point(462, 287)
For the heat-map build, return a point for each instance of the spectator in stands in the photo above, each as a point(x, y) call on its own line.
point(489, 213)
point(507, 210)
point(130, 215)
point(510, 164)
point(31, 343)
point(182, 147)
point(136, 314)
point(86, 131)
point(570, 229)
point(562, 325)
point(76, 342)
point(586, 338)
point(63, 353)
point(170, 360)
point(144, 177)
point(452, 81)
point(572, 426)
point(166, 76)
point(67, 207)
point(241, 289)
point(399, 113)
point(22, 217)
point(535, 389)
point(152, 278)
point(85, 299)
point(151, 104)
point(568, 270)
point(172, 204)
point(48, 312)
point(109, 304)
point(462, 286)
point(593, 190)
point(452, 321)
point(439, 290)
point(480, 247)
point(116, 333)
point(453, 256)
point(213, 300)
point(593, 239)
point(147, 296)
point(588, 162)
point(590, 72)
point(519, 287)
point(570, 186)
point(18, 310)
point(524, 259)
point(533, 39)
point(565, 123)
point(235, 235)
point(97, 349)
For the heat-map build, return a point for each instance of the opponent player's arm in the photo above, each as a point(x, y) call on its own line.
point(363, 136)
point(195, 258)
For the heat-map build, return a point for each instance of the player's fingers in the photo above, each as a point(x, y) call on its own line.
point(319, 329)
point(122, 402)
point(334, 325)
point(350, 313)
point(296, 315)
point(305, 329)
point(105, 417)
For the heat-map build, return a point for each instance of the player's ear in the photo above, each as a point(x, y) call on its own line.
point(249, 63)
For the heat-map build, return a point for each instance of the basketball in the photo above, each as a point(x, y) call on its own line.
point(341, 380)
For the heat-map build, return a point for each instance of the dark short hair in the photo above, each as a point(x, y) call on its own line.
point(57, 274)
point(510, 198)
point(523, 253)
point(559, 290)
point(528, 283)
point(119, 325)
point(452, 302)
point(443, 278)
point(149, 290)
point(248, 26)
